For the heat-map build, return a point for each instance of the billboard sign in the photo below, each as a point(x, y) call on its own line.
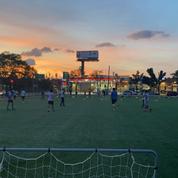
point(87, 55)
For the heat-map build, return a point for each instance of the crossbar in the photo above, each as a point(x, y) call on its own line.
point(130, 150)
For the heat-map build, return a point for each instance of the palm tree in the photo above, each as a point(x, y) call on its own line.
point(175, 76)
point(156, 81)
point(136, 78)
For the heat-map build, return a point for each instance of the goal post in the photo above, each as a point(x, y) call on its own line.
point(77, 163)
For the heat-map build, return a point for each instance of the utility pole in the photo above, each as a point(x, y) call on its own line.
point(108, 76)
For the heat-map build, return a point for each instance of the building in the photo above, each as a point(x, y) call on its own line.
point(99, 82)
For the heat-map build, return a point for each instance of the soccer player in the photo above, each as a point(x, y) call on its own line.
point(50, 100)
point(70, 89)
point(146, 99)
point(89, 92)
point(98, 92)
point(23, 94)
point(10, 101)
point(62, 97)
point(114, 98)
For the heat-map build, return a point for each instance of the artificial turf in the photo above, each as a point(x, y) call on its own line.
point(91, 122)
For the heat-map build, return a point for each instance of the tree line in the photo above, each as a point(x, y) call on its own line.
point(152, 79)
point(17, 73)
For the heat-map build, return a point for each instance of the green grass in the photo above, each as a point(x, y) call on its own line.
point(90, 122)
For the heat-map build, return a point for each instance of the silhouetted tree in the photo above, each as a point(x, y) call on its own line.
point(12, 66)
point(75, 73)
point(96, 73)
point(136, 78)
point(175, 76)
point(156, 81)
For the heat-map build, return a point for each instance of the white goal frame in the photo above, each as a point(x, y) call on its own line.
point(97, 151)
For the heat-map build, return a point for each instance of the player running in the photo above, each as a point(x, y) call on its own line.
point(10, 99)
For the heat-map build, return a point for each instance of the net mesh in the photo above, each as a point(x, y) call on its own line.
point(95, 165)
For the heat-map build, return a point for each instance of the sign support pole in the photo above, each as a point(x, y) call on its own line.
point(82, 69)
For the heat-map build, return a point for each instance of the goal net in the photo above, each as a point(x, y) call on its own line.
point(93, 164)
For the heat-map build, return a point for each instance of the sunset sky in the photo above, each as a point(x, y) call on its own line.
point(130, 35)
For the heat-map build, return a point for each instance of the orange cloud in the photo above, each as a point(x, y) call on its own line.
point(118, 59)
point(17, 41)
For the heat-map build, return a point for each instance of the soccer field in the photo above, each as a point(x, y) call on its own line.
point(90, 122)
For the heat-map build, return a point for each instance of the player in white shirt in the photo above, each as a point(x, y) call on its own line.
point(10, 99)
point(146, 99)
point(62, 97)
point(50, 101)
point(23, 95)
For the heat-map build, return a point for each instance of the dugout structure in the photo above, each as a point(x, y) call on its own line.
point(77, 163)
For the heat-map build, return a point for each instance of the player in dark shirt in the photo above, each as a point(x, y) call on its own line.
point(114, 98)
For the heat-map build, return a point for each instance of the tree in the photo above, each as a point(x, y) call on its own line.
point(156, 81)
point(12, 66)
point(146, 80)
point(136, 78)
point(96, 73)
point(175, 76)
point(75, 73)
